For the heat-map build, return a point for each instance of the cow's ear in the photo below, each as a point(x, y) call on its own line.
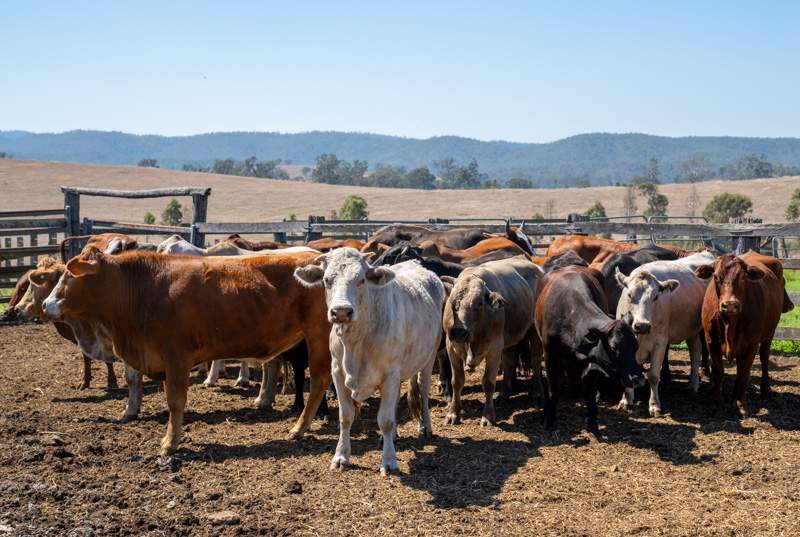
point(379, 275)
point(704, 272)
point(669, 286)
point(448, 279)
point(310, 275)
point(79, 266)
point(755, 273)
point(367, 255)
point(620, 277)
point(496, 300)
point(594, 335)
point(448, 287)
point(321, 259)
point(39, 277)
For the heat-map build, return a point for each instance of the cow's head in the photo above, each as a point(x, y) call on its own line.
point(614, 351)
point(77, 282)
point(19, 291)
point(516, 235)
point(469, 304)
point(642, 291)
point(42, 281)
point(346, 276)
point(731, 275)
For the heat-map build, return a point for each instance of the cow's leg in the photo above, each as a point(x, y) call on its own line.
point(489, 381)
point(390, 393)
point(590, 399)
point(453, 416)
point(654, 374)
point(299, 380)
point(269, 385)
point(666, 374)
point(764, 356)
point(717, 374)
point(535, 349)
point(319, 369)
point(86, 381)
point(554, 379)
point(445, 374)
point(244, 375)
point(424, 387)
point(509, 364)
point(176, 387)
point(111, 376)
point(347, 413)
point(134, 381)
point(743, 366)
point(705, 369)
point(695, 359)
point(626, 403)
point(213, 373)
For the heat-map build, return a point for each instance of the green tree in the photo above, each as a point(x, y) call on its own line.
point(468, 177)
point(421, 178)
point(224, 166)
point(149, 219)
point(518, 182)
point(386, 178)
point(353, 208)
point(3, 154)
point(596, 211)
point(171, 216)
point(650, 174)
point(753, 167)
point(656, 202)
point(490, 183)
point(725, 206)
point(792, 213)
point(444, 168)
point(537, 216)
point(148, 163)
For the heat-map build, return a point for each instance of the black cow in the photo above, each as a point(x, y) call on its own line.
point(580, 340)
point(627, 263)
point(457, 239)
point(567, 259)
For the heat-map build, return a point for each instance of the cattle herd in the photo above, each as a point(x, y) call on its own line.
point(369, 316)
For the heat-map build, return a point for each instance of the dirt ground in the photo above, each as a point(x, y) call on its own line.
point(67, 467)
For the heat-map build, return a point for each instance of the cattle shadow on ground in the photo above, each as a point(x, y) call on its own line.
point(93, 396)
point(463, 471)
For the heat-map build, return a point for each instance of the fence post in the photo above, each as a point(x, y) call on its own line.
point(280, 237)
point(199, 210)
point(312, 235)
point(72, 209)
point(20, 244)
point(744, 240)
point(8, 245)
point(34, 242)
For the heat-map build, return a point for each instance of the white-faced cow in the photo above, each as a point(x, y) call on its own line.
point(662, 302)
point(489, 315)
point(165, 314)
point(386, 329)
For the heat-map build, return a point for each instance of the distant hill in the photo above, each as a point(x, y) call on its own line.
point(600, 159)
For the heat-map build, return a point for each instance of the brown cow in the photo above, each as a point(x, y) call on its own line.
point(168, 313)
point(12, 312)
point(595, 250)
point(110, 243)
point(741, 309)
point(327, 244)
point(244, 244)
point(458, 238)
point(431, 249)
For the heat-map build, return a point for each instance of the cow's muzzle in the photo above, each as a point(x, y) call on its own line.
point(458, 333)
point(341, 315)
point(641, 327)
point(730, 307)
point(10, 313)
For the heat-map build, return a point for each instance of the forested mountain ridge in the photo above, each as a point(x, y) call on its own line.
point(599, 159)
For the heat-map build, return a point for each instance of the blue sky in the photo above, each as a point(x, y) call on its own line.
point(517, 71)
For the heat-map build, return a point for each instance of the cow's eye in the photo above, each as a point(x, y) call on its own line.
point(655, 298)
point(328, 282)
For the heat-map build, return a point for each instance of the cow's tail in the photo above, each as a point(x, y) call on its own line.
point(415, 399)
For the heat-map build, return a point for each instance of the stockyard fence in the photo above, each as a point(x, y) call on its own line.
point(27, 235)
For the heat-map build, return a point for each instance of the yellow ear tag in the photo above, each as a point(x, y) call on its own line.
point(382, 280)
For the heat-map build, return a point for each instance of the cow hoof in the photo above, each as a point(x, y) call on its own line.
point(486, 422)
point(553, 434)
point(655, 412)
point(208, 384)
point(295, 435)
point(389, 471)
point(594, 438)
point(330, 395)
point(82, 385)
point(166, 452)
point(624, 406)
point(242, 383)
point(265, 406)
point(452, 419)
point(127, 418)
point(112, 386)
point(339, 465)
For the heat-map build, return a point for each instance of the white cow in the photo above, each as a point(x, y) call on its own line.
point(386, 328)
point(663, 301)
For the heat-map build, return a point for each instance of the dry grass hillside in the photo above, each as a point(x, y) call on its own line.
point(35, 185)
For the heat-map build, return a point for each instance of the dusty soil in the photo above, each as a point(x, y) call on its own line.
point(68, 468)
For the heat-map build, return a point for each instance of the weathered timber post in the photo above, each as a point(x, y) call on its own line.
point(72, 210)
point(199, 209)
point(312, 235)
point(744, 240)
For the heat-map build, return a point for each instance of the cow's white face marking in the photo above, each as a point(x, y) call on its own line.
point(51, 306)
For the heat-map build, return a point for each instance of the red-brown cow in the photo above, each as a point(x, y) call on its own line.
point(596, 250)
point(328, 244)
point(63, 329)
point(431, 249)
point(110, 243)
point(741, 309)
point(168, 313)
